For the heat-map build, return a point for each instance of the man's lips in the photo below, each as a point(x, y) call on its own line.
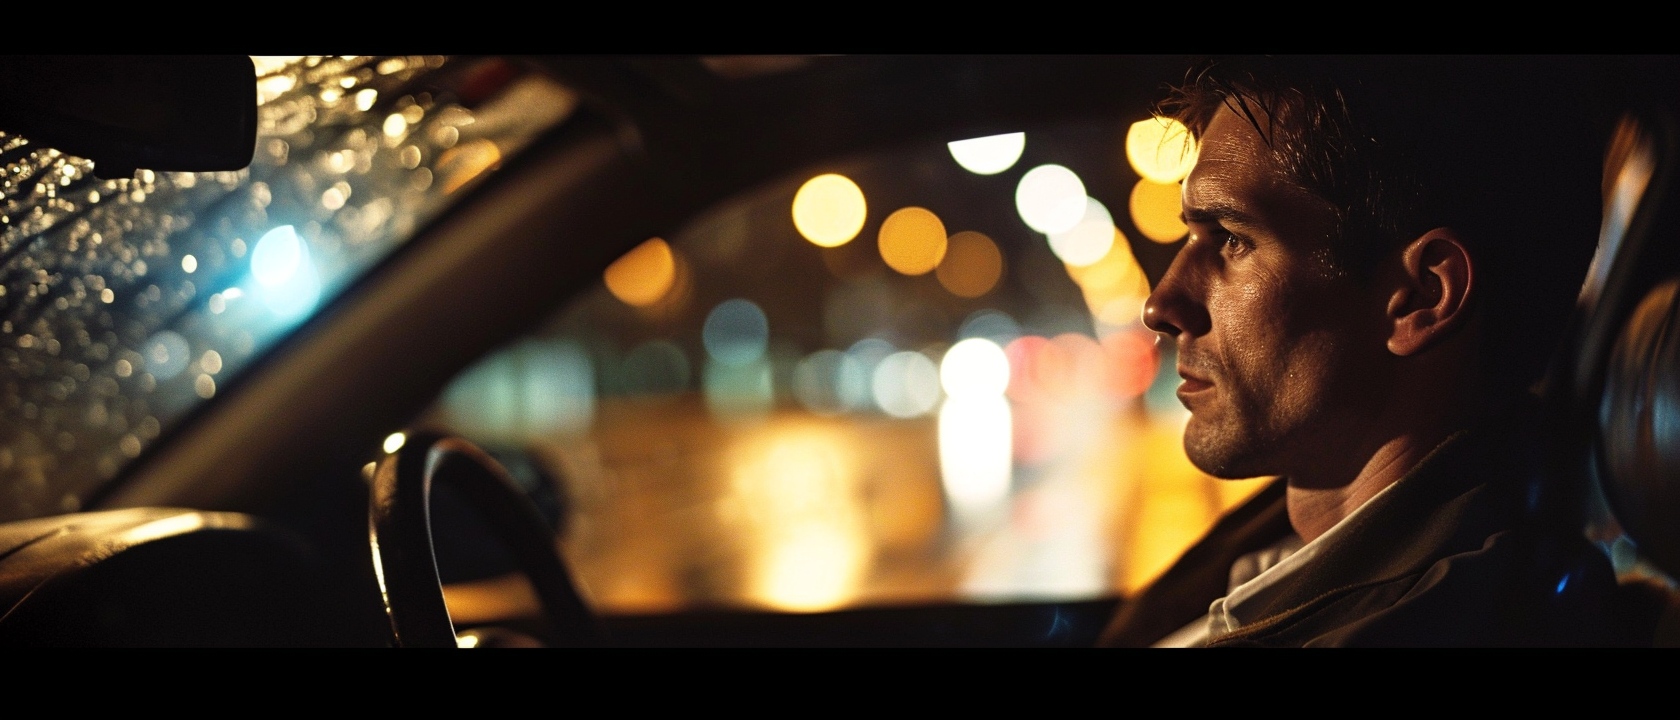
point(1193, 383)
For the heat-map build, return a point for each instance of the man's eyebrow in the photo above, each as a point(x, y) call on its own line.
point(1219, 213)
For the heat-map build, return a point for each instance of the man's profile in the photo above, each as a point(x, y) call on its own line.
point(1381, 254)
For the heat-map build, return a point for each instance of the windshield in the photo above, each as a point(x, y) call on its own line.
point(913, 376)
point(127, 303)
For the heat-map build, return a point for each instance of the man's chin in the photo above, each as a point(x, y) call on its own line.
point(1220, 455)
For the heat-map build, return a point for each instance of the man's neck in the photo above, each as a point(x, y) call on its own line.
point(1423, 406)
point(1315, 508)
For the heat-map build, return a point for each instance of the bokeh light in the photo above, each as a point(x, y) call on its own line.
point(859, 391)
point(166, 354)
point(1160, 149)
point(1050, 199)
point(1117, 310)
point(972, 265)
point(975, 367)
point(1088, 240)
point(287, 282)
point(827, 382)
point(994, 325)
point(912, 241)
point(277, 256)
point(740, 390)
point(1023, 354)
point(1073, 363)
point(1132, 362)
point(989, 155)
point(1117, 270)
point(1157, 209)
point(976, 452)
point(795, 492)
point(644, 275)
point(829, 210)
point(535, 389)
point(461, 164)
point(906, 384)
point(1065, 368)
point(736, 332)
point(1114, 286)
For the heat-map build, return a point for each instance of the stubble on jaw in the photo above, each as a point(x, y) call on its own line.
point(1283, 320)
point(1286, 379)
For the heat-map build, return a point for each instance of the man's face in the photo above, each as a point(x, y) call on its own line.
point(1278, 349)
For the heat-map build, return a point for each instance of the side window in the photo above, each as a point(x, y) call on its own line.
point(916, 376)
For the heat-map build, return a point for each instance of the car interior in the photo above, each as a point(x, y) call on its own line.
point(360, 352)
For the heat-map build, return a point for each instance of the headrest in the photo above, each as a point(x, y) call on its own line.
point(1639, 426)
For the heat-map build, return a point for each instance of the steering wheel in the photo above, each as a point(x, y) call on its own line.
point(400, 535)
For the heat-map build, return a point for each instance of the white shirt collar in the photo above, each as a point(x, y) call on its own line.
point(1256, 577)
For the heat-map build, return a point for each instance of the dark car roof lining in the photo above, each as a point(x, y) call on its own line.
point(636, 161)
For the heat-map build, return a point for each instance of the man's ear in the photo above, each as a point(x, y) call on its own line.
point(1433, 296)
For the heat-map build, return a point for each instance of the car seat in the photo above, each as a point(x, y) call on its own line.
point(1618, 389)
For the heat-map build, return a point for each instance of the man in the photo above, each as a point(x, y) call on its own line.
point(1381, 255)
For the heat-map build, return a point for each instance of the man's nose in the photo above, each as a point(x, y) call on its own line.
point(1176, 306)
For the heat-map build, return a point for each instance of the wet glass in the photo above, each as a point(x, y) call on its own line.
point(125, 304)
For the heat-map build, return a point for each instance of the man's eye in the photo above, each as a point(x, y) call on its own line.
point(1232, 244)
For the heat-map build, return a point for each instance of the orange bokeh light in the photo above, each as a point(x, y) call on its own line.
point(972, 265)
point(1156, 210)
point(912, 241)
point(644, 275)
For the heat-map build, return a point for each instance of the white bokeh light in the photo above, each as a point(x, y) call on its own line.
point(906, 384)
point(975, 367)
point(976, 456)
point(989, 155)
point(856, 385)
point(1088, 240)
point(1045, 199)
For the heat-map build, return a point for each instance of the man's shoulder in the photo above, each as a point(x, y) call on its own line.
point(1183, 592)
point(1451, 557)
point(1500, 595)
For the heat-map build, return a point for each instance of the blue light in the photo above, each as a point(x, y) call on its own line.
point(994, 325)
point(287, 281)
point(1059, 626)
point(277, 256)
point(736, 333)
point(1563, 583)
